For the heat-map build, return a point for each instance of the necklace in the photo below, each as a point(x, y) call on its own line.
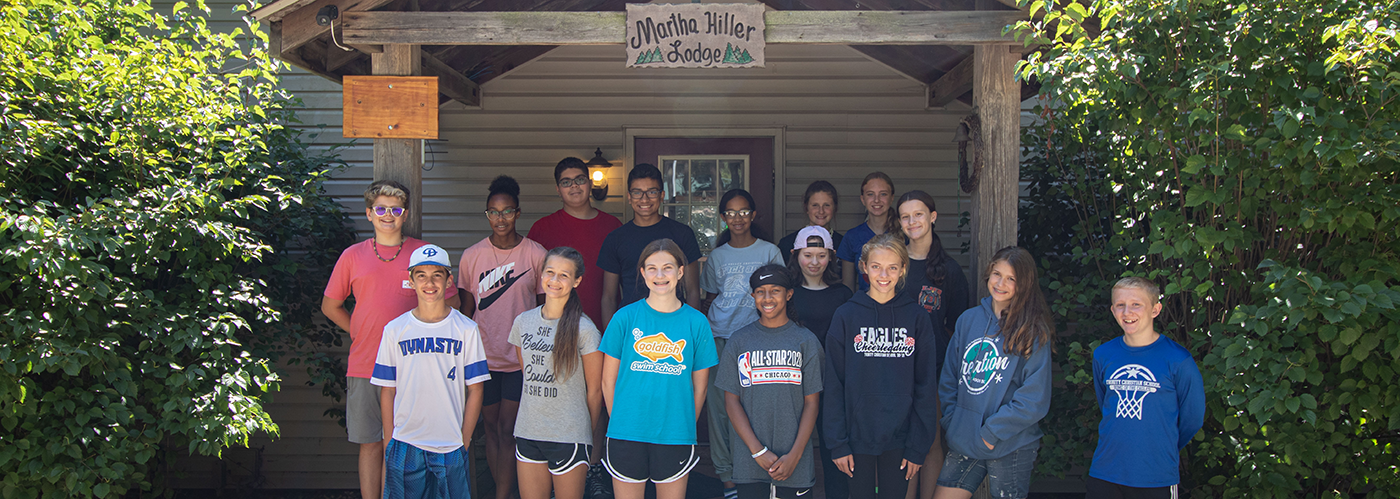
point(375, 244)
point(509, 252)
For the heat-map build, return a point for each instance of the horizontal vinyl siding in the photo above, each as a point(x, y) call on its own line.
point(844, 117)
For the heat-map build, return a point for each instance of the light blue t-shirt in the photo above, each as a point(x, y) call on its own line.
point(726, 274)
point(653, 398)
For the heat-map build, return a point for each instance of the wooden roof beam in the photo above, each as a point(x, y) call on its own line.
point(607, 28)
point(953, 84)
point(299, 26)
point(451, 83)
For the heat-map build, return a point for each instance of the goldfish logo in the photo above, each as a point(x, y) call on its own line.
point(658, 346)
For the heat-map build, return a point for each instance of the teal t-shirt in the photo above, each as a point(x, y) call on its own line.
point(653, 398)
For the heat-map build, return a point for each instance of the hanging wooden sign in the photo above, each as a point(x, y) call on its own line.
point(723, 35)
point(390, 107)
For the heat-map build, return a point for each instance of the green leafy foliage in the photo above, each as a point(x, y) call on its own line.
point(1243, 154)
point(162, 242)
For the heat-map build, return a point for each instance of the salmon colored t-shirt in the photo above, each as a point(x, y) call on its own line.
point(504, 284)
point(382, 292)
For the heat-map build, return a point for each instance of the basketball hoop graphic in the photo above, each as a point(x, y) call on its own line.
point(1132, 383)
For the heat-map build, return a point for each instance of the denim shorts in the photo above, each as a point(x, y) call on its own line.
point(1007, 477)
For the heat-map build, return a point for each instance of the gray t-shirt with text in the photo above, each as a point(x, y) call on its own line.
point(771, 370)
point(551, 409)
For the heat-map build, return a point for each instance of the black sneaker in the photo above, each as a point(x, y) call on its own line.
point(598, 485)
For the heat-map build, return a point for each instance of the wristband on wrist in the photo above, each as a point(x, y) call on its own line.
point(760, 452)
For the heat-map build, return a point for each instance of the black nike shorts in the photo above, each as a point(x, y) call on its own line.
point(560, 458)
point(637, 462)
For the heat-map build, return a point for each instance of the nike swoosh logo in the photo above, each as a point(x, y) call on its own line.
point(804, 492)
point(762, 277)
point(487, 300)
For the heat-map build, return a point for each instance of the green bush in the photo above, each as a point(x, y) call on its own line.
point(1244, 154)
point(163, 243)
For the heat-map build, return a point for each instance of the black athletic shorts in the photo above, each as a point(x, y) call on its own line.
point(1095, 488)
point(637, 462)
point(561, 458)
point(502, 386)
point(768, 490)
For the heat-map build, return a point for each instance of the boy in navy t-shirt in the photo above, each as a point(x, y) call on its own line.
point(1152, 399)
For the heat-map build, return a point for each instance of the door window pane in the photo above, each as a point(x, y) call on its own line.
point(675, 175)
point(694, 185)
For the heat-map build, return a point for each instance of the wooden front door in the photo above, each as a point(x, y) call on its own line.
point(700, 170)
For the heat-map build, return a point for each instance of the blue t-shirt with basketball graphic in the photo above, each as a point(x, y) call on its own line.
point(1153, 403)
point(653, 397)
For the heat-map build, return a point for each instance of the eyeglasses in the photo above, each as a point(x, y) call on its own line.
point(638, 193)
point(565, 183)
point(506, 213)
point(396, 211)
point(737, 213)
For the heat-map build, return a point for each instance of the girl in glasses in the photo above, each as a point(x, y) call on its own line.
point(658, 355)
point(499, 278)
point(738, 252)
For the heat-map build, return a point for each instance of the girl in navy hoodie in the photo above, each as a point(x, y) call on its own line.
point(996, 383)
point(880, 378)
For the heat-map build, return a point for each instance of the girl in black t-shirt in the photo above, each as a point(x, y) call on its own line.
point(937, 284)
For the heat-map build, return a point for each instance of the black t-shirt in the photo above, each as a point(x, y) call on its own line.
point(785, 248)
point(815, 308)
point(943, 303)
point(624, 246)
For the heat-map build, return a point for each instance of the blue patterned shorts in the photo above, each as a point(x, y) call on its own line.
point(410, 472)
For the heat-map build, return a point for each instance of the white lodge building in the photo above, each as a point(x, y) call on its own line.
point(816, 111)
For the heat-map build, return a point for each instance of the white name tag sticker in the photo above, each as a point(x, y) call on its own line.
point(407, 284)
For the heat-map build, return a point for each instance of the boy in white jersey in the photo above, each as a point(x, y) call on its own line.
point(430, 366)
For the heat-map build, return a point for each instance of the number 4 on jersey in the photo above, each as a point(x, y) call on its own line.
point(452, 374)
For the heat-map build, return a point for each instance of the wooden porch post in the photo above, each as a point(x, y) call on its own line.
point(998, 97)
point(400, 159)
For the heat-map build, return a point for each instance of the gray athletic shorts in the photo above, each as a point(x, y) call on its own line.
point(363, 419)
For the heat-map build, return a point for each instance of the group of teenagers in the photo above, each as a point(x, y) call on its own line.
point(861, 357)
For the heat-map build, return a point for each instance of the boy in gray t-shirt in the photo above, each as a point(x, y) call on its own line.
point(771, 371)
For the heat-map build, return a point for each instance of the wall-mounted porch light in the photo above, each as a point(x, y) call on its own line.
point(598, 172)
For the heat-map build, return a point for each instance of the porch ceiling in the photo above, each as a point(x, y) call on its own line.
point(465, 67)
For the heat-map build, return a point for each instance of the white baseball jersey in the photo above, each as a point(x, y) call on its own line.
point(430, 365)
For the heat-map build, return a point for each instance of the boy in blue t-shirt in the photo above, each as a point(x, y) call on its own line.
point(1152, 399)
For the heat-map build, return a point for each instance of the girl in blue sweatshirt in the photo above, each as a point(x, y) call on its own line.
point(880, 378)
point(995, 384)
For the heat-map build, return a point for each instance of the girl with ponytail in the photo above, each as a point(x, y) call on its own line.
point(563, 393)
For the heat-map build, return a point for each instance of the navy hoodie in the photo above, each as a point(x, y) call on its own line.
point(991, 394)
point(880, 379)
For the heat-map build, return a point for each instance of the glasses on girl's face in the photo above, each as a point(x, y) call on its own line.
point(506, 213)
point(396, 211)
point(737, 213)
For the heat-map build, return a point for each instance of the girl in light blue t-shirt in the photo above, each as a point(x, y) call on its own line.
point(658, 353)
point(739, 251)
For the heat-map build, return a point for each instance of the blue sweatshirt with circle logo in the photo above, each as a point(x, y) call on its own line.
point(991, 395)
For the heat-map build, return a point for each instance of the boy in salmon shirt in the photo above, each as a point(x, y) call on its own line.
point(375, 272)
